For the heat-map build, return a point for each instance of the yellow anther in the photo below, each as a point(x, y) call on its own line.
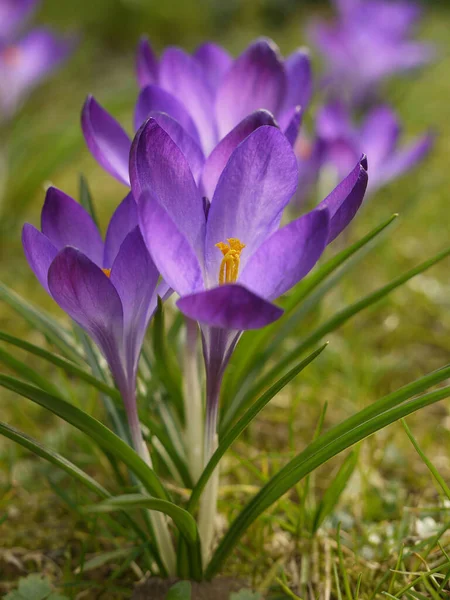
point(229, 267)
point(107, 272)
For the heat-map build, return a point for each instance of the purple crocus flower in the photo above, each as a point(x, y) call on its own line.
point(26, 61)
point(369, 41)
point(200, 100)
point(109, 288)
point(226, 255)
point(340, 142)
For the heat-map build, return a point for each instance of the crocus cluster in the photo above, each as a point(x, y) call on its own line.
point(25, 59)
point(204, 99)
point(369, 41)
point(339, 142)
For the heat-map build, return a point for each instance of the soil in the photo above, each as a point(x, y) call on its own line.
point(219, 589)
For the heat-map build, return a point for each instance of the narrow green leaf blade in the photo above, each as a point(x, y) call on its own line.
point(26, 372)
point(93, 428)
point(86, 198)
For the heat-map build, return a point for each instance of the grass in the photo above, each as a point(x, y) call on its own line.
point(389, 532)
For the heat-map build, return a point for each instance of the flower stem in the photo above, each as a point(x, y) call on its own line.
point(158, 520)
point(193, 406)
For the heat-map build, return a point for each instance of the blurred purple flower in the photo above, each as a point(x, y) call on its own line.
point(202, 99)
point(225, 254)
point(110, 289)
point(26, 61)
point(369, 41)
point(339, 143)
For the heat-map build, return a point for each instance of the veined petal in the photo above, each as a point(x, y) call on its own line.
point(107, 141)
point(299, 80)
point(135, 277)
point(158, 166)
point(215, 62)
point(124, 220)
point(87, 295)
point(255, 80)
point(258, 181)
point(66, 223)
point(146, 64)
point(344, 201)
point(169, 248)
point(185, 142)
point(39, 252)
point(287, 256)
point(229, 307)
point(293, 125)
point(217, 160)
point(154, 99)
point(379, 135)
point(183, 76)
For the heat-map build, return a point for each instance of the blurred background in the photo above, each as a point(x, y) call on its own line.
point(405, 336)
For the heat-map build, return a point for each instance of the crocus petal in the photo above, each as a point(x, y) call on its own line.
point(182, 75)
point(87, 295)
point(27, 62)
point(299, 80)
point(186, 143)
point(215, 62)
point(39, 252)
point(333, 122)
point(146, 64)
point(66, 223)
point(124, 220)
point(169, 248)
point(293, 127)
point(107, 141)
point(216, 161)
point(158, 166)
point(287, 256)
point(344, 201)
point(229, 307)
point(256, 80)
point(258, 181)
point(12, 15)
point(154, 99)
point(379, 135)
point(404, 159)
point(135, 277)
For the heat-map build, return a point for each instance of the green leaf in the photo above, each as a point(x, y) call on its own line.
point(34, 587)
point(243, 423)
point(165, 365)
point(57, 597)
point(331, 325)
point(180, 591)
point(182, 519)
point(354, 429)
point(93, 428)
point(435, 473)
point(86, 198)
point(253, 348)
point(26, 372)
point(246, 595)
point(334, 491)
point(53, 331)
point(53, 457)
point(104, 558)
point(66, 365)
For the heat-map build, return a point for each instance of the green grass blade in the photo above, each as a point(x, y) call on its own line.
point(86, 198)
point(249, 351)
point(66, 365)
point(184, 521)
point(53, 331)
point(26, 372)
point(352, 430)
point(435, 473)
point(93, 428)
point(243, 423)
point(331, 325)
point(53, 457)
